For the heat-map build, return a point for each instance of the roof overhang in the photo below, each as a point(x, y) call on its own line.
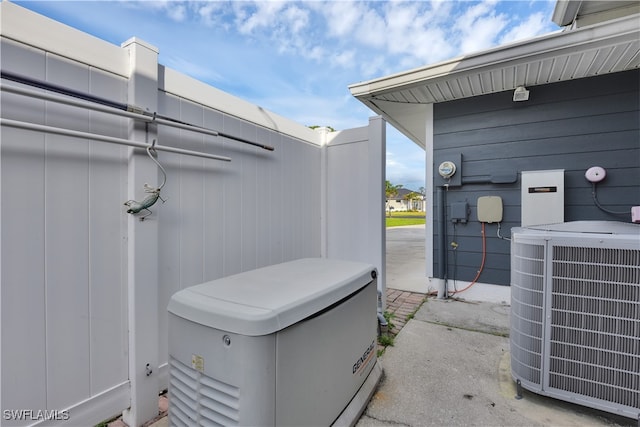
point(604, 48)
point(578, 13)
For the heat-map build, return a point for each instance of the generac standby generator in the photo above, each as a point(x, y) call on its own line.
point(292, 344)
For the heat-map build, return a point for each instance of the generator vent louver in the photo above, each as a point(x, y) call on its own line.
point(575, 328)
point(200, 400)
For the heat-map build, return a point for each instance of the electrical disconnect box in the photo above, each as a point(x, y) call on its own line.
point(542, 197)
point(459, 212)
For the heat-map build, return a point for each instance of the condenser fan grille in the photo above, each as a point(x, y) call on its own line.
point(595, 323)
point(575, 328)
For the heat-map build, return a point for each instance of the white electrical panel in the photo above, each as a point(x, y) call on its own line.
point(542, 197)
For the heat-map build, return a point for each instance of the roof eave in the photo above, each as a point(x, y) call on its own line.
point(548, 48)
point(565, 12)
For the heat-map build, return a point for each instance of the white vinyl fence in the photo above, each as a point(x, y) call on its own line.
point(85, 285)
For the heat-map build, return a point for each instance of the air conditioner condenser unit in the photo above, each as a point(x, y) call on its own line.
point(575, 313)
point(291, 344)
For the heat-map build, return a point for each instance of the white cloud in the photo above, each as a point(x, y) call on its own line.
point(479, 26)
point(257, 15)
point(341, 17)
point(209, 13)
point(344, 59)
point(535, 25)
point(371, 30)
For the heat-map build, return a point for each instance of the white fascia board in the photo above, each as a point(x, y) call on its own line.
point(27, 27)
point(533, 49)
point(187, 87)
point(565, 12)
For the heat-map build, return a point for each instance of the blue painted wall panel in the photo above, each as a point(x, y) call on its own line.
point(571, 125)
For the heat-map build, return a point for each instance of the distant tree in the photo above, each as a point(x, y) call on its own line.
point(411, 198)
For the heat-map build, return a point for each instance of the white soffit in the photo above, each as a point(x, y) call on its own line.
point(600, 49)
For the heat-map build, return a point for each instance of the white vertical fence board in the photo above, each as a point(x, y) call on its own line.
point(168, 221)
point(262, 199)
point(107, 243)
point(276, 206)
point(191, 200)
point(232, 201)
point(355, 199)
point(250, 187)
point(67, 243)
point(22, 59)
point(23, 292)
point(213, 209)
point(66, 249)
point(289, 197)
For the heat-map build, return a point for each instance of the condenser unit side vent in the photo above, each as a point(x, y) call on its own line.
point(575, 329)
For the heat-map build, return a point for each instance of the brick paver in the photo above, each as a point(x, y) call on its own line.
point(402, 304)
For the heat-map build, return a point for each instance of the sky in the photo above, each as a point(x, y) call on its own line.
point(297, 58)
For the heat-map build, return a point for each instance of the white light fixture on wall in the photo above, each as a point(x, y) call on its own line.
point(520, 94)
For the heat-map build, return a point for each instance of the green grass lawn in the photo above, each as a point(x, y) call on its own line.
point(405, 218)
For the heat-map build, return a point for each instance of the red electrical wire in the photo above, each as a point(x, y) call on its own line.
point(484, 256)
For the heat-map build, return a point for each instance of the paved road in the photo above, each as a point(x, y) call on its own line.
point(406, 263)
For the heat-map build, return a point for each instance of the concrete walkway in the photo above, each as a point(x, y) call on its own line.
point(406, 261)
point(450, 366)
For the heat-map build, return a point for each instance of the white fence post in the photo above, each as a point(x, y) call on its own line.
point(142, 242)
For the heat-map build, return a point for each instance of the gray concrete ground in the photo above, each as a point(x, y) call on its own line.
point(450, 367)
point(406, 261)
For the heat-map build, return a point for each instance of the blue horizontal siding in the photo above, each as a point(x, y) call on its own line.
point(570, 125)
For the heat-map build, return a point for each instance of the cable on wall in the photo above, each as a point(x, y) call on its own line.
point(484, 257)
point(154, 192)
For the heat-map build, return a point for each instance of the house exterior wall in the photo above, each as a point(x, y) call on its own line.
point(572, 125)
point(401, 205)
point(84, 285)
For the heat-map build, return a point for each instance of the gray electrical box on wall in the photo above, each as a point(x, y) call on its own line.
point(542, 197)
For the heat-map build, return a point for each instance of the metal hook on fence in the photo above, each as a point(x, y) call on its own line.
point(154, 192)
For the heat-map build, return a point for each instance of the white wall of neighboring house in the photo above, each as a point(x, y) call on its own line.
point(400, 204)
point(85, 285)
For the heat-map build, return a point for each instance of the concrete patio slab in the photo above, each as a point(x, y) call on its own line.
point(450, 366)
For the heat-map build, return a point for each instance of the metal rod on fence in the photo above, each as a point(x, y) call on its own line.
point(82, 100)
point(75, 102)
point(104, 138)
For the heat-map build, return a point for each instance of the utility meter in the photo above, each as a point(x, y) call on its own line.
point(447, 169)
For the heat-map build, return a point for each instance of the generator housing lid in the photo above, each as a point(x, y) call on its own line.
point(269, 299)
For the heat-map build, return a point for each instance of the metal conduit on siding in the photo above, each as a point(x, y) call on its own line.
point(95, 103)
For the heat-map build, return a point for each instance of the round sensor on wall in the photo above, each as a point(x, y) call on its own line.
point(595, 174)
